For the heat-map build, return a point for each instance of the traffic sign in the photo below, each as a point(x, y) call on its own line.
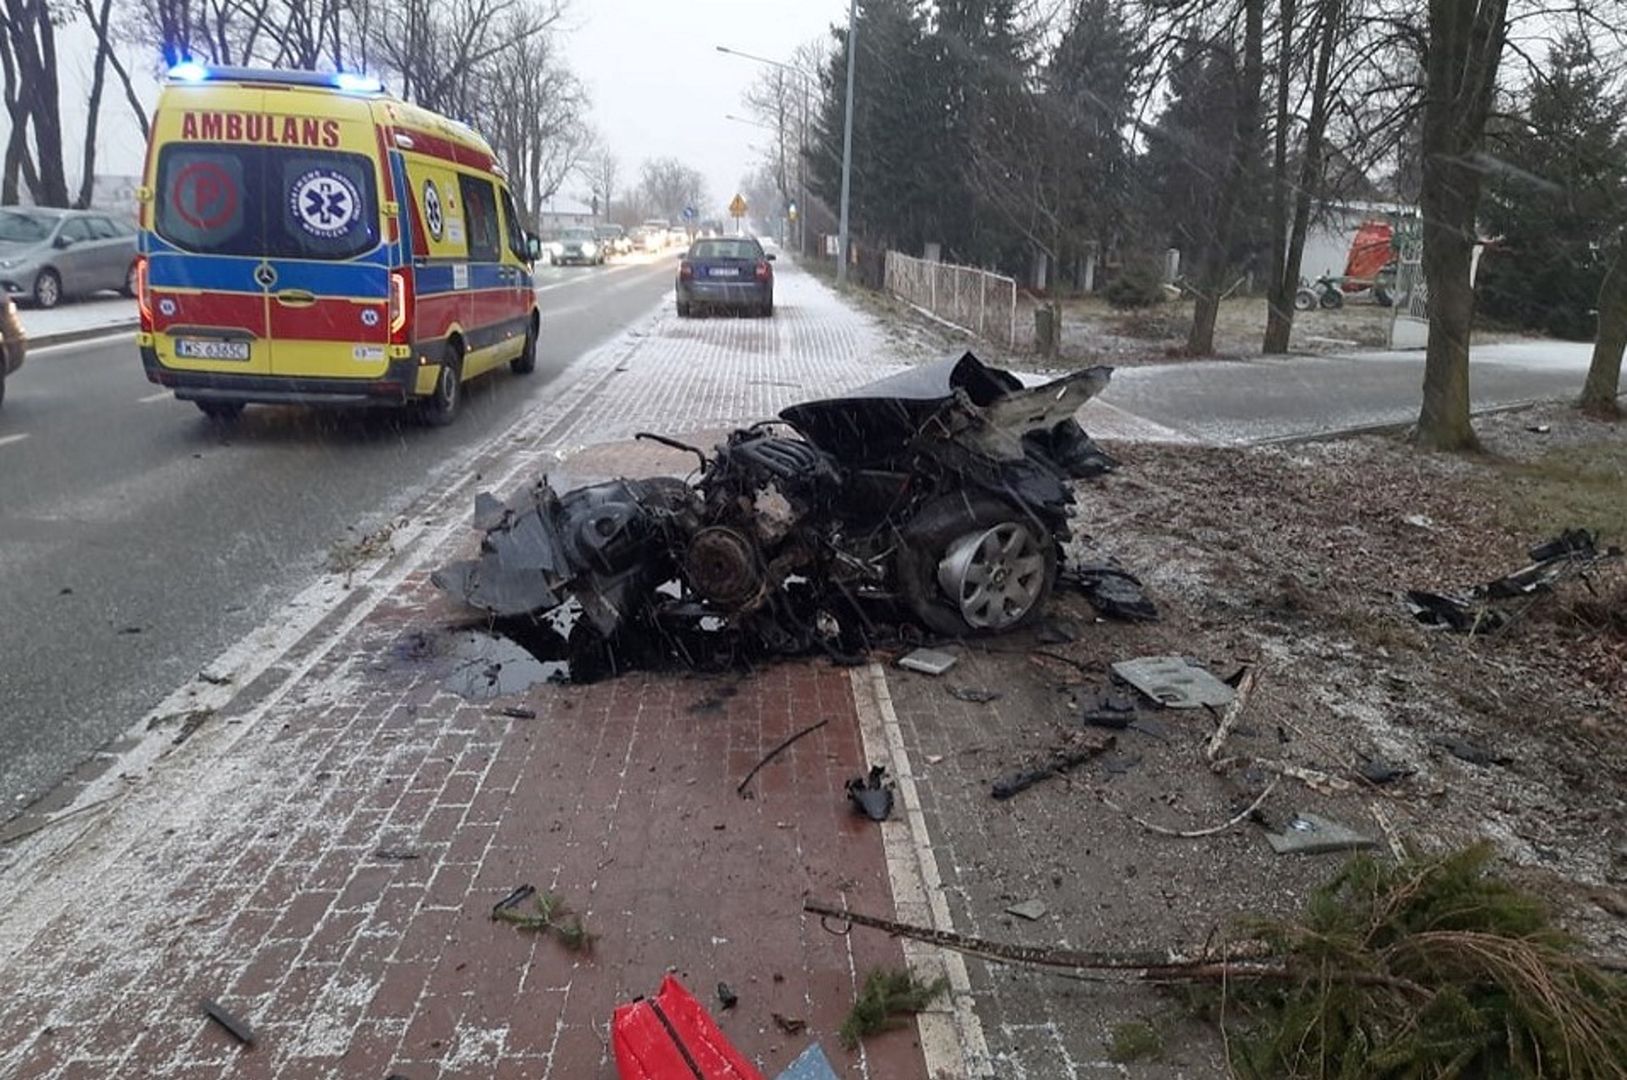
point(689, 213)
point(738, 207)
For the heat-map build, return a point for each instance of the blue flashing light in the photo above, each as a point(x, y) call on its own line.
point(351, 82)
point(189, 71)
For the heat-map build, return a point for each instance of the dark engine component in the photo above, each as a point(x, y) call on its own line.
point(722, 566)
point(788, 459)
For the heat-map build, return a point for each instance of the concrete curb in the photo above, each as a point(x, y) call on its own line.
point(89, 333)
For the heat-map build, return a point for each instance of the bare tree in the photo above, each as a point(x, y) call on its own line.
point(601, 170)
point(670, 185)
point(33, 99)
point(1603, 385)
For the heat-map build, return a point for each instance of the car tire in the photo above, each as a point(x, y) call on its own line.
point(526, 362)
point(444, 403)
point(47, 289)
point(2, 383)
point(683, 310)
point(222, 412)
point(129, 287)
point(932, 534)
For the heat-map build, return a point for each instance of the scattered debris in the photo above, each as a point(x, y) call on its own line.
point(190, 723)
point(933, 759)
point(1233, 713)
point(518, 712)
point(551, 915)
point(1474, 754)
point(871, 794)
point(348, 556)
point(1113, 591)
point(790, 1025)
point(1313, 834)
point(973, 695)
point(1032, 910)
point(740, 789)
point(1059, 763)
point(1109, 708)
point(1571, 554)
point(886, 1001)
point(726, 997)
point(672, 1034)
point(928, 661)
point(236, 1028)
point(1193, 834)
point(389, 855)
point(1420, 521)
point(1378, 771)
point(1539, 429)
point(1174, 682)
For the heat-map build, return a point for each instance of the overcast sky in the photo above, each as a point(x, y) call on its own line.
point(659, 85)
point(661, 88)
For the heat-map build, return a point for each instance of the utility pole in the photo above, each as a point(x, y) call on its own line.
point(847, 143)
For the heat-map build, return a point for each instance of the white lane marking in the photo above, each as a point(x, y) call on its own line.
point(6, 440)
point(950, 1032)
point(150, 398)
point(123, 335)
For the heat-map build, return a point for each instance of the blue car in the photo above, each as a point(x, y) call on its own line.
point(726, 273)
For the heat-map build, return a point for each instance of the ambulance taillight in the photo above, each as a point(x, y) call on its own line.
point(144, 300)
point(398, 306)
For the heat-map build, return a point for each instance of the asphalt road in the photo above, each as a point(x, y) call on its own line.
point(138, 541)
point(1266, 399)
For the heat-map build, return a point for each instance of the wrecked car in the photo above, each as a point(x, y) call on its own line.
point(940, 494)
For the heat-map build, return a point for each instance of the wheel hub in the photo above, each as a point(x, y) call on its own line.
point(995, 576)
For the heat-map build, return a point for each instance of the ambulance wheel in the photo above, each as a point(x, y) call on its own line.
point(129, 282)
point(441, 407)
point(526, 362)
point(222, 411)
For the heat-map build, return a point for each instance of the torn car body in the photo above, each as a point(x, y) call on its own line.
point(943, 490)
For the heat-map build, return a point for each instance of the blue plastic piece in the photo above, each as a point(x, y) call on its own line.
point(811, 1065)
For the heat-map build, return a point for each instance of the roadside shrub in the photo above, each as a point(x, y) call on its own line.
point(1138, 286)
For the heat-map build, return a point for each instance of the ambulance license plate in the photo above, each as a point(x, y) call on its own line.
point(193, 349)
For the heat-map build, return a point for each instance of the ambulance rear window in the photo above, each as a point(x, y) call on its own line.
point(265, 201)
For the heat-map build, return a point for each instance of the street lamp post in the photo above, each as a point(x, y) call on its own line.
point(847, 144)
point(802, 167)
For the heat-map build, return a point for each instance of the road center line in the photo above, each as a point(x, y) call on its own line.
point(7, 439)
point(150, 398)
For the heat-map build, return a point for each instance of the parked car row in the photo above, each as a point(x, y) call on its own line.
point(47, 255)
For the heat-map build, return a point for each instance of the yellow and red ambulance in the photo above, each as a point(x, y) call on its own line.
point(307, 238)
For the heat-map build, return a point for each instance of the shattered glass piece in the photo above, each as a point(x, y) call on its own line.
point(1173, 682)
point(811, 1064)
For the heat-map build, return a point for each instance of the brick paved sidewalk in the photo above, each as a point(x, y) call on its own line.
point(323, 859)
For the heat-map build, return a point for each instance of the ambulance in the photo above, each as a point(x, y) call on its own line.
point(306, 238)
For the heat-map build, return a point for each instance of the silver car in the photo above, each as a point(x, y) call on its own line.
point(46, 255)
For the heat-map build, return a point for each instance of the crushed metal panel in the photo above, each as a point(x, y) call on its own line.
point(997, 429)
point(1173, 682)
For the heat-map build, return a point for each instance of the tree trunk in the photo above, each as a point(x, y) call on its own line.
point(1217, 253)
point(1465, 43)
point(1279, 319)
point(93, 105)
point(1280, 312)
point(1603, 384)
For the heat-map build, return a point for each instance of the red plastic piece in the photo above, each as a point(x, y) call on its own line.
point(672, 1037)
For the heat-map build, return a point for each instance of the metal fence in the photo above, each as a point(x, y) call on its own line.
point(1409, 325)
point(973, 300)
